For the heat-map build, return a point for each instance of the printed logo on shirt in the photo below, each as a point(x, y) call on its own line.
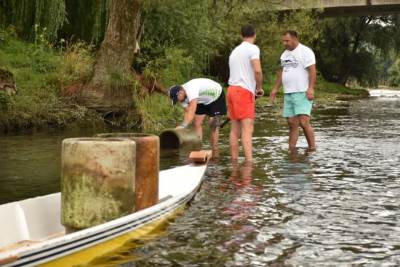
point(289, 63)
point(205, 97)
point(211, 92)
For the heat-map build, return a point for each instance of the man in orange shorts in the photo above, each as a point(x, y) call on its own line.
point(245, 82)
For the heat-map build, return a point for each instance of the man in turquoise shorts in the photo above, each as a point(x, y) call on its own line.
point(298, 76)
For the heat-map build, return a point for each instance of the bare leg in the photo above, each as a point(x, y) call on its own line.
point(214, 127)
point(234, 139)
point(308, 131)
point(247, 135)
point(246, 172)
point(294, 123)
point(198, 122)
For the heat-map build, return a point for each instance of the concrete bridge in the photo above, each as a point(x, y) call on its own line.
point(344, 7)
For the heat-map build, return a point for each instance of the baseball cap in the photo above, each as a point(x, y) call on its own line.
point(173, 93)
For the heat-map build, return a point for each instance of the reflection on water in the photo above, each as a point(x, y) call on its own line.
point(337, 206)
point(30, 164)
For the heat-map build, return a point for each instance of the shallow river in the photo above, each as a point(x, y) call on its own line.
point(337, 206)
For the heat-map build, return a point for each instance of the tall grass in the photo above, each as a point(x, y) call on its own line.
point(43, 73)
point(157, 113)
point(40, 71)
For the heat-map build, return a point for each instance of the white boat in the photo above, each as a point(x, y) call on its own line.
point(31, 233)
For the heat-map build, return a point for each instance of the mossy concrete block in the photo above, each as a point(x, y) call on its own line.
point(180, 138)
point(147, 166)
point(97, 180)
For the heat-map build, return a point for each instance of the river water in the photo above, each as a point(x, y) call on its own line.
point(339, 206)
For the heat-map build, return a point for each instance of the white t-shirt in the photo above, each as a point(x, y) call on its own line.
point(241, 72)
point(204, 90)
point(294, 64)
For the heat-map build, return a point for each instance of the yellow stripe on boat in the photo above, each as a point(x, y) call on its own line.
point(88, 255)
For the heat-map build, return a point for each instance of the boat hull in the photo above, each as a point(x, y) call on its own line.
point(177, 187)
point(91, 253)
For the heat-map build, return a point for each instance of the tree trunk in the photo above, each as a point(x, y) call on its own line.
point(111, 86)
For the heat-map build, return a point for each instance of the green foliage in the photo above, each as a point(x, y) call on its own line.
point(179, 40)
point(354, 48)
point(50, 15)
point(117, 79)
point(324, 87)
point(5, 101)
point(25, 14)
point(38, 72)
point(201, 34)
point(173, 67)
point(157, 113)
point(87, 20)
point(394, 73)
point(2, 37)
point(77, 63)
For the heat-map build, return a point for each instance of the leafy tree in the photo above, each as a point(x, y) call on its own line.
point(352, 47)
point(110, 88)
point(86, 20)
point(28, 15)
point(394, 73)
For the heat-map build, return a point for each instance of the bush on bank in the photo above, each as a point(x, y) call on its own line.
point(48, 77)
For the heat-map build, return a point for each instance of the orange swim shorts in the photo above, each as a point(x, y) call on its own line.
point(241, 103)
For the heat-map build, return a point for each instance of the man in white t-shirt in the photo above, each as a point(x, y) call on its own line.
point(200, 98)
point(245, 82)
point(298, 77)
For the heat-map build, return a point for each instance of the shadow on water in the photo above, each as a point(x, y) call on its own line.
point(337, 206)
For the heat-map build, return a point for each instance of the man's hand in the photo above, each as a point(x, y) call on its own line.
point(278, 83)
point(310, 94)
point(259, 92)
point(183, 125)
point(272, 95)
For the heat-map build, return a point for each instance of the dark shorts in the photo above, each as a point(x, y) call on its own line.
point(216, 108)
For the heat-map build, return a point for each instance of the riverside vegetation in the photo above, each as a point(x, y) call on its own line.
point(52, 56)
point(47, 78)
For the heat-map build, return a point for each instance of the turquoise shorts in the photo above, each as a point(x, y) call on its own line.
point(296, 104)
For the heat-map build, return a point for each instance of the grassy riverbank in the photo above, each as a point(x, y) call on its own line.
point(39, 72)
point(46, 78)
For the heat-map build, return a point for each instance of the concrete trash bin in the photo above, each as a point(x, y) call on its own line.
point(177, 138)
point(97, 180)
point(147, 166)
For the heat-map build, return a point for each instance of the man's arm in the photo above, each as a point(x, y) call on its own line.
point(277, 85)
point(256, 63)
point(312, 77)
point(190, 111)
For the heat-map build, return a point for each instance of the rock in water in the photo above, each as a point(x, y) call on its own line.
point(97, 180)
point(7, 82)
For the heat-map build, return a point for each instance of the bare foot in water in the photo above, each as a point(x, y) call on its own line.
point(311, 149)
